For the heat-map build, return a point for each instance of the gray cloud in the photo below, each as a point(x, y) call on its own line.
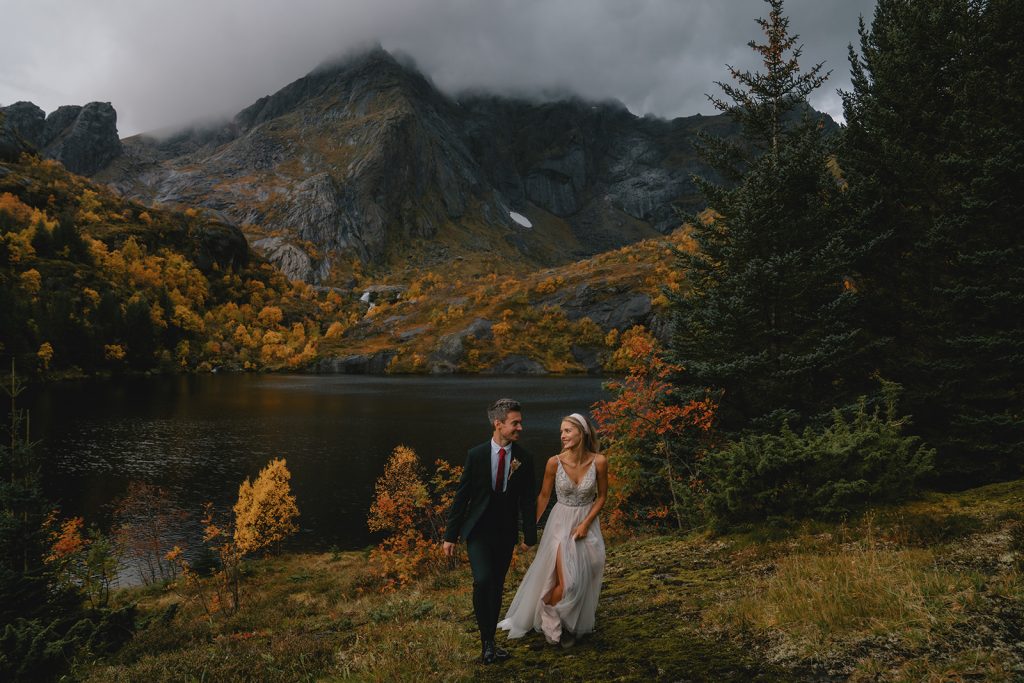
point(163, 64)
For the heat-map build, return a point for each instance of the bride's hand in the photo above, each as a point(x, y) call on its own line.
point(580, 532)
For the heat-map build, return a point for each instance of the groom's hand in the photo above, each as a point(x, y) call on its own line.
point(523, 547)
point(449, 549)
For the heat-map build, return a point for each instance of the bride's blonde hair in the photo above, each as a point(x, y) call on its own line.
point(586, 427)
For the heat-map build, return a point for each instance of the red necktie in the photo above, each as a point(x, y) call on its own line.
point(499, 481)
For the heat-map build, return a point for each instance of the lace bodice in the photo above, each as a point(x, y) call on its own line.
point(575, 495)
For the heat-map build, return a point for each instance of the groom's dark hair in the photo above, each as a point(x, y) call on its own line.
point(500, 409)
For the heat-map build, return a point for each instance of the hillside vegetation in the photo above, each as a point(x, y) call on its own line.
point(92, 283)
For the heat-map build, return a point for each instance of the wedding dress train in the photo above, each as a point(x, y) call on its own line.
point(582, 566)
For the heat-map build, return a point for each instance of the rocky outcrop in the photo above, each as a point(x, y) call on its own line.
point(361, 364)
point(21, 130)
point(516, 365)
point(590, 358)
point(295, 263)
point(451, 347)
point(611, 307)
point(376, 294)
point(84, 139)
point(220, 245)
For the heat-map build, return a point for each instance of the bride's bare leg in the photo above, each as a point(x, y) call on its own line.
point(555, 594)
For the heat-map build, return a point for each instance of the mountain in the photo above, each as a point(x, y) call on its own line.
point(364, 162)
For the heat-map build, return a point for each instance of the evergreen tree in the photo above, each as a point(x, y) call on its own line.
point(934, 153)
point(24, 578)
point(770, 315)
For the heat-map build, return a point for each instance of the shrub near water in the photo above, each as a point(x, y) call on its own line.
point(412, 515)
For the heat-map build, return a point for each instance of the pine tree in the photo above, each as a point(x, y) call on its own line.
point(24, 578)
point(934, 154)
point(769, 317)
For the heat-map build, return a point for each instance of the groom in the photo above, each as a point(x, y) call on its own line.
point(495, 490)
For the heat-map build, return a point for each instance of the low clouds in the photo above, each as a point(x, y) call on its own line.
point(165, 64)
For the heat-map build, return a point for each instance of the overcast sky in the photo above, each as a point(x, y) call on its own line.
point(164, 63)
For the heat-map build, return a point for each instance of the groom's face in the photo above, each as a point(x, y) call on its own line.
point(509, 428)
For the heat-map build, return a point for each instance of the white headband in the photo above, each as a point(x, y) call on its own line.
point(583, 422)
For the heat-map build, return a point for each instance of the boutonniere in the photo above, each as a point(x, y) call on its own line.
point(513, 466)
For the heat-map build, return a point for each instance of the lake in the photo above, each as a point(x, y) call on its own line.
point(199, 436)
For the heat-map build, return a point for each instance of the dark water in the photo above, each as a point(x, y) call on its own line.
point(200, 436)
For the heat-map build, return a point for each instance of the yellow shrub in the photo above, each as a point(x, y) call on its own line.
point(266, 511)
point(336, 329)
point(45, 355)
point(113, 352)
point(31, 281)
point(270, 315)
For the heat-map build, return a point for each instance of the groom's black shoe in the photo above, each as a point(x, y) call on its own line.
point(488, 656)
point(501, 654)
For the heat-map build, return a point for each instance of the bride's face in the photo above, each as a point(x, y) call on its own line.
point(571, 435)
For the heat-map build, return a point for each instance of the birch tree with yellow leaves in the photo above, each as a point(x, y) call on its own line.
point(266, 511)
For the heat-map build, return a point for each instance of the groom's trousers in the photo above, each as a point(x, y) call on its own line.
point(490, 553)
point(489, 558)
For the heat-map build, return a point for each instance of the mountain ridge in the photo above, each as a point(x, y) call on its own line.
point(363, 158)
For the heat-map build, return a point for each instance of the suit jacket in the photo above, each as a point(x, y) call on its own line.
point(474, 494)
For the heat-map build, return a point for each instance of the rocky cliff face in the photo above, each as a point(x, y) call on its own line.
point(589, 163)
point(349, 160)
point(361, 157)
point(84, 139)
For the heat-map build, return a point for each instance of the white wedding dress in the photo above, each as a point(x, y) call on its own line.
point(582, 566)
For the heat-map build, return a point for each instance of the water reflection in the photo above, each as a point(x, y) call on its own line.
point(200, 436)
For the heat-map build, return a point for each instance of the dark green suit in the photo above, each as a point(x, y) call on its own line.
point(489, 522)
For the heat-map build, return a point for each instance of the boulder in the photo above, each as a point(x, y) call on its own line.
point(291, 260)
point(619, 311)
point(408, 335)
point(589, 357)
point(516, 365)
point(450, 347)
point(222, 245)
point(441, 367)
point(376, 294)
point(359, 364)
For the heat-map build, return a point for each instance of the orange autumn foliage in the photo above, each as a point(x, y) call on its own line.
point(412, 513)
point(643, 423)
point(67, 541)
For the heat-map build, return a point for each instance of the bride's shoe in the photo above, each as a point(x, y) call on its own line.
point(550, 624)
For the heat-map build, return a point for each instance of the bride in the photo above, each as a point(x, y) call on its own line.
point(558, 595)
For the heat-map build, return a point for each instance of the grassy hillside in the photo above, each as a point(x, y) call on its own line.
point(927, 591)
